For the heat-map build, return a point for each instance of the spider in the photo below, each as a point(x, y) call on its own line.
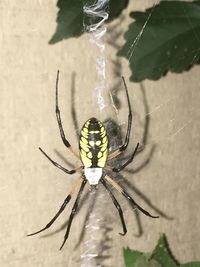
point(94, 155)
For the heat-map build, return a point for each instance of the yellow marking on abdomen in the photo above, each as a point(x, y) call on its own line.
point(84, 146)
point(92, 143)
point(89, 155)
point(103, 134)
point(104, 139)
point(102, 129)
point(102, 161)
point(84, 140)
point(84, 134)
point(92, 132)
point(86, 161)
point(104, 145)
point(98, 143)
point(83, 153)
point(99, 155)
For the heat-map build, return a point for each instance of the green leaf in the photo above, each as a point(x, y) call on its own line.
point(164, 38)
point(160, 257)
point(163, 255)
point(70, 17)
point(116, 7)
point(131, 257)
point(138, 259)
point(69, 20)
point(144, 261)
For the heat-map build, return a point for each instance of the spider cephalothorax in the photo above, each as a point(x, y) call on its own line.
point(95, 157)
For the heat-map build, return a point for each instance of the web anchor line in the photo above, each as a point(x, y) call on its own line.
point(95, 16)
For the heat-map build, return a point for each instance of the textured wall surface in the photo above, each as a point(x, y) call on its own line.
point(31, 189)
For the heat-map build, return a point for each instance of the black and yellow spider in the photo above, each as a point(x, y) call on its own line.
point(94, 154)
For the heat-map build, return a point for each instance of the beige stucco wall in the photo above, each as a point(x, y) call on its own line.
point(31, 190)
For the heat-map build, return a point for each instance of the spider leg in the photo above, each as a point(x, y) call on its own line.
point(139, 223)
point(146, 199)
point(115, 202)
point(62, 134)
point(74, 209)
point(126, 195)
point(58, 165)
point(128, 161)
point(126, 141)
point(66, 201)
point(143, 164)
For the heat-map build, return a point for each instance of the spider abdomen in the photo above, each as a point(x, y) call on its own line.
point(93, 144)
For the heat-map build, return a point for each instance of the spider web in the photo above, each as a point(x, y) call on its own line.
point(91, 248)
point(95, 14)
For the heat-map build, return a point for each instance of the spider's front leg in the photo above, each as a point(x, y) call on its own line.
point(126, 141)
point(59, 166)
point(118, 169)
point(62, 134)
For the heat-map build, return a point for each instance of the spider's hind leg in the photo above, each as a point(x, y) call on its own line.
point(66, 201)
point(126, 195)
point(115, 202)
point(74, 209)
